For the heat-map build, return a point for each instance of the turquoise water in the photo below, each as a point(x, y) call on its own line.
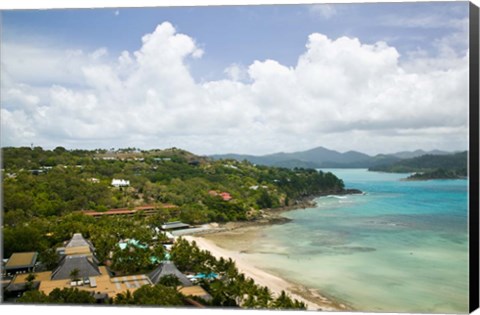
point(401, 247)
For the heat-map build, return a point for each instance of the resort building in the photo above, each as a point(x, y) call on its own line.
point(171, 226)
point(21, 263)
point(102, 283)
point(20, 283)
point(77, 262)
point(78, 268)
point(146, 210)
point(167, 268)
point(84, 266)
point(111, 212)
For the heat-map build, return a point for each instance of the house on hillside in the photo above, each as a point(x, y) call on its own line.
point(162, 159)
point(255, 187)
point(78, 268)
point(225, 196)
point(120, 183)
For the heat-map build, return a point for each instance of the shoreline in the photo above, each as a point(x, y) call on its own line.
point(270, 216)
point(313, 299)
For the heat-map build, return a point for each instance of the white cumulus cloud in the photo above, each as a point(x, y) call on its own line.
point(342, 94)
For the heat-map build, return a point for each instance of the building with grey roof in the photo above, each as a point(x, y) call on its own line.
point(79, 241)
point(20, 287)
point(168, 268)
point(83, 263)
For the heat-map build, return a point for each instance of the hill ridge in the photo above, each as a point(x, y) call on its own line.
point(322, 157)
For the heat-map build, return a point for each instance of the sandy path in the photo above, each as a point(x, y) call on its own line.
point(313, 300)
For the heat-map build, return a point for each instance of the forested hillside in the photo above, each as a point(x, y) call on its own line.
point(46, 183)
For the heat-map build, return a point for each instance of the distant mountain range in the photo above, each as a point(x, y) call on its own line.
point(321, 157)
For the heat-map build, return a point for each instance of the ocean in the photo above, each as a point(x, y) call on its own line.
point(400, 247)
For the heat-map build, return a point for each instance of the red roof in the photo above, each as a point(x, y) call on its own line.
point(226, 196)
point(124, 211)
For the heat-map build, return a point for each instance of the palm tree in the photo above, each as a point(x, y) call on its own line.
point(264, 297)
point(170, 281)
point(250, 302)
point(74, 274)
point(283, 301)
point(124, 298)
point(29, 283)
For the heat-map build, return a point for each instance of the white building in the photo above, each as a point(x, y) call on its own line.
point(120, 183)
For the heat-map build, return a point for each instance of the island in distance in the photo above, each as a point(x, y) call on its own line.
point(433, 164)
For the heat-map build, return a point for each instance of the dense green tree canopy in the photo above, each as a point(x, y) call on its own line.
point(151, 295)
point(58, 296)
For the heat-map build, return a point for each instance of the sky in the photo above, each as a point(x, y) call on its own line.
point(371, 77)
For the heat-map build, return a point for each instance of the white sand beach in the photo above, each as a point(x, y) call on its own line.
point(312, 299)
